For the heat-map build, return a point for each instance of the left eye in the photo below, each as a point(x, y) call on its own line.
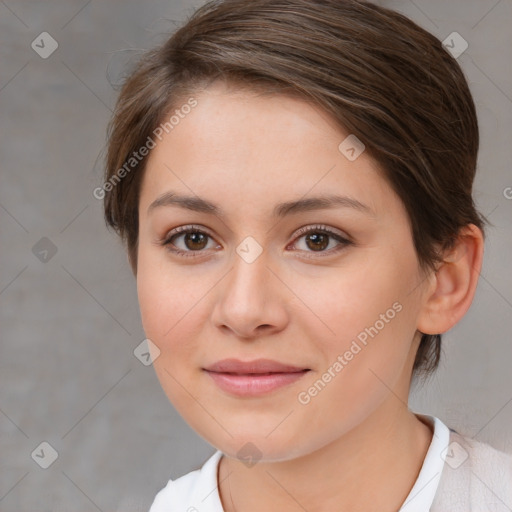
point(318, 238)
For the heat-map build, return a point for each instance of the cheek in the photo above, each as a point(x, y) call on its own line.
point(344, 303)
point(368, 323)
point(165, 298)
point(155, 302)
point(173, 310)
point(165, 313)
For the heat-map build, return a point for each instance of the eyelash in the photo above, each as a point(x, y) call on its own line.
point(183, 230)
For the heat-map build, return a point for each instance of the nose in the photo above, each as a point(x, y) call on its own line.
point(251, 300)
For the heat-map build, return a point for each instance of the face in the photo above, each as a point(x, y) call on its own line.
point(329, 290)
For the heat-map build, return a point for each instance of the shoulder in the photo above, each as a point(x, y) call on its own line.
point(483, 459)
point(475, 474)
point(488, 463)
point(192, 492)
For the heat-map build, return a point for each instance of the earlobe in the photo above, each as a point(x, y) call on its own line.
point(454, 283)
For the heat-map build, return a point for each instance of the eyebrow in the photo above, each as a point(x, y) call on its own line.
point(198, 204)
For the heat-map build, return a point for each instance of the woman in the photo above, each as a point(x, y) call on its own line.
point(293, 182)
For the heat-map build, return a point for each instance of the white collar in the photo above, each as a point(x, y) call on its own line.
point(422, 494)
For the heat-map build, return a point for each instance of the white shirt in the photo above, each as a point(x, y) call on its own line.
point(458, 474)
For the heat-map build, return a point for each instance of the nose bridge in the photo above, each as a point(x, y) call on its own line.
point(249, 297)
point(250, 275)
point(253, 262)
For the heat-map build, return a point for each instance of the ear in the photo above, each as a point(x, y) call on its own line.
point(453, 284)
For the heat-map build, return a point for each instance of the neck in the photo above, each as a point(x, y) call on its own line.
point(376, 462)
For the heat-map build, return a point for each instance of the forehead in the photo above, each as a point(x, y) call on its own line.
point(252, 150)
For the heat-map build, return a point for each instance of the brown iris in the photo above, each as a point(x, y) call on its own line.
point(195, 240)
point(320, 241)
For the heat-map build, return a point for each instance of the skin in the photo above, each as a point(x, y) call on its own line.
point(246, 152)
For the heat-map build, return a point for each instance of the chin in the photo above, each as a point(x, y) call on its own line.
point(252, 441)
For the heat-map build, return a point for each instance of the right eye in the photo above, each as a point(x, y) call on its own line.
point(194, 240)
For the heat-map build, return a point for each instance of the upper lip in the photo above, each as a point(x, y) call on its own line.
point(254, 366)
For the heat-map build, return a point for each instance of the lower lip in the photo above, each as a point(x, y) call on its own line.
point(253, 385)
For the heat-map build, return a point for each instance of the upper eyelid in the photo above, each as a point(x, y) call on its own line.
point(319, 227)
point(297, 232)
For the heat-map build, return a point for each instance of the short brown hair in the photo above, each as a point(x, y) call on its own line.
point(374, 71)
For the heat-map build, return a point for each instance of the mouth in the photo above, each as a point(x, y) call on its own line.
point(252, 378)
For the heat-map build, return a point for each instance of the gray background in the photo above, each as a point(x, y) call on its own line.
point(69, 325)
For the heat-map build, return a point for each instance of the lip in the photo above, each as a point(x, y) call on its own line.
point(254, 366)
point(253, 378)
